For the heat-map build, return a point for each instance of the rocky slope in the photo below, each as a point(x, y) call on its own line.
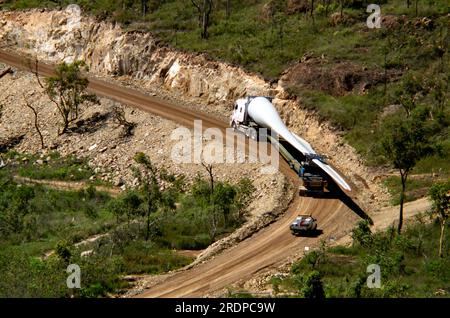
point(100, 140)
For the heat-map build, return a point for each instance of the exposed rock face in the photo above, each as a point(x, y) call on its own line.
point(58, 36)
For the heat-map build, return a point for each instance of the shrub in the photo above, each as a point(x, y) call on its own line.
point(393, 288)
point(389, 263)
point(362, 234)
point(438, 268)
point(357, 286)
point(308, 262)
point(313, 286)
point(63, 250)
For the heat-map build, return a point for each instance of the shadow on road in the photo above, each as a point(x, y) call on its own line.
point(352, 205)
point(335, 192)
point(315, 233)
point(91, 124)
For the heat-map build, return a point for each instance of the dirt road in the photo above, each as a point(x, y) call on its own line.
point(336, 214)
point(389, 215)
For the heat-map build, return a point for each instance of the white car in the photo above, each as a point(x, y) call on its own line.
point(303, 224)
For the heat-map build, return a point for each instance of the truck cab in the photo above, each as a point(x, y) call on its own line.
point(241, 121)
point(238, 116)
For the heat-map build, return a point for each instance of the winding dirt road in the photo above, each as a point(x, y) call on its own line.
point(336, 214)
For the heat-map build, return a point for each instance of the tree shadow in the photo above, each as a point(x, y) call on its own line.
point(91, 124)
point(10, 143)
point(315, 233)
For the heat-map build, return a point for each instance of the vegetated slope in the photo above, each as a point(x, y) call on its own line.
point(332, 62)
point(28, 227)
point(110, 156)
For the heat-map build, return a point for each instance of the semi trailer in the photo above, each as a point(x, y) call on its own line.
point(254, 112)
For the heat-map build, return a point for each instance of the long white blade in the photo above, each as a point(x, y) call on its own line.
point(262, 111)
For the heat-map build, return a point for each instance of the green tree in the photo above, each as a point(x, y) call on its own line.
point(410, 91)
point(67, 90)
point(405, 141)
point(310, 261)
point(245, 189)
point(438, 88)
point(440, 194)
point(127, 204)
point(204, 8)
point(63, 250)
point(362, 234)
point(150, 188)
point(357, 286)
point(313, 286)
point(223, 198)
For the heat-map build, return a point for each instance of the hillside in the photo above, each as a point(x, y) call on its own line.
point(109, 189)
point(348, 74)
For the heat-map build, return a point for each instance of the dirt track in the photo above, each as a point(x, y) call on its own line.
point(67, 185)
point(336, 214)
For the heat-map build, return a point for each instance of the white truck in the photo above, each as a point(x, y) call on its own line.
point(255, 112)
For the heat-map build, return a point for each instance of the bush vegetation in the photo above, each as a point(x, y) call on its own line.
point(35, 220)
point(410, 265)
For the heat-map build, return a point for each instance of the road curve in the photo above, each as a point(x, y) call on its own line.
point(336, 213)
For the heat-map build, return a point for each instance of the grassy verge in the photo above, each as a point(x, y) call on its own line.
point(50, 167)
point(417, 187)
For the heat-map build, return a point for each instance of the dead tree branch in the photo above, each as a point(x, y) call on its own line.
point(36, 120)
